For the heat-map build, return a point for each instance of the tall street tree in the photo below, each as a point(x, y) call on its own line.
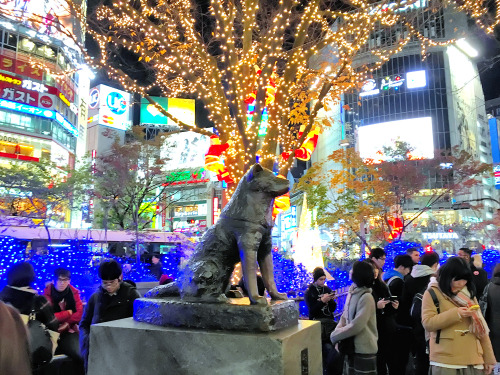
point(232, 54)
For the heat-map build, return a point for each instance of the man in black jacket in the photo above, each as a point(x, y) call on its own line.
point(479, 276)
point(114, 300)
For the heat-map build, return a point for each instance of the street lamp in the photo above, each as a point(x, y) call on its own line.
point(344, 142)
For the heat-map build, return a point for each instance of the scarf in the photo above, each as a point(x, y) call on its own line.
point(63, 300)
point(479, 327)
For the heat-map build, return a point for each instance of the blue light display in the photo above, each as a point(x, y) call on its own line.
point(40, 112)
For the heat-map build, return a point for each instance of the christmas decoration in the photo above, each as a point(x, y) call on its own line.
point(213, 159)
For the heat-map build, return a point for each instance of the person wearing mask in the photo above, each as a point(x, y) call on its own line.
point(459, 343)
point(410, 313)
point(386, 323)
point(378, 256)
point(396, 276)
point(113, 300)
point(320, 301)
point(479, 276)
point(492, 312)
point(14, 344)
point(156, 266)
point(360, 322)
point(68, 310)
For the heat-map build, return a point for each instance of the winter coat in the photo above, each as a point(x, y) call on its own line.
point(318, 309)
point(24, 299)
point(454, 347)
point(156, 270)
point(493, 314)
point(416, 282)
point(67, 322)
point(386, 322)
point(102, 307)
point(363, 326)
point(395, 282)
point(479, 278)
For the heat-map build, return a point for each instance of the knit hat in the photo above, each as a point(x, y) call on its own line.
point(21, 274)
point(318, 272)
point(110, 270)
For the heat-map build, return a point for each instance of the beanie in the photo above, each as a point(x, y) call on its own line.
point(110, 270)
point(21, 274)
point(318, 272)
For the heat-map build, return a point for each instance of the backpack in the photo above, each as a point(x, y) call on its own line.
point(483, 301)
point(42, 341)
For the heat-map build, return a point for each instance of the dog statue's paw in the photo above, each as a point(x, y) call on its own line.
point(278, 296)
point(258, 300)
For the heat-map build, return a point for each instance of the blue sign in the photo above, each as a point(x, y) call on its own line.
point(40, 112)
point(116, 103)
point(94, 98)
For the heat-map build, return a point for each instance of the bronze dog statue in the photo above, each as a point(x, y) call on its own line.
point(243, 233)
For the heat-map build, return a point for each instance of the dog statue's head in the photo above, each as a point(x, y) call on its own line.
point(263, 180)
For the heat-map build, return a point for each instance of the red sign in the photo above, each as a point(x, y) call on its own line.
point(46, 101)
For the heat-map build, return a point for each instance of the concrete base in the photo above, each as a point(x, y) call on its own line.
point(127, 347)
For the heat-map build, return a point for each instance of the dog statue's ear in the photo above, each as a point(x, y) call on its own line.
point(255, 169)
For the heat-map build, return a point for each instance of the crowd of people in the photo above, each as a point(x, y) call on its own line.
point(416, 318)
point(61, 312)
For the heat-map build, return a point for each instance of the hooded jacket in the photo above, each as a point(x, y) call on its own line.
point(395, 282)
point(416, 282)
point(358, 320)
point(454, 347)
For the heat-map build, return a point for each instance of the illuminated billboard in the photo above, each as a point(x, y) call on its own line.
point(43, 16)
point(417, 132)
point(181, 109)
point(109, 107)
point(185, 150)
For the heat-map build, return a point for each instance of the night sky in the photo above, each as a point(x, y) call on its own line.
point(489, 67)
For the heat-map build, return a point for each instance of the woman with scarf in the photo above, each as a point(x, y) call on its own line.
point(359, 322)
point(459, 341)
point(68, 310)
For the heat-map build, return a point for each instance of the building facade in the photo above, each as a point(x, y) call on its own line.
point(433, 102)
point(43, 89)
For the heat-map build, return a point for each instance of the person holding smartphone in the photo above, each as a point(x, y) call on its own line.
point(387, 305)
point(320, 300)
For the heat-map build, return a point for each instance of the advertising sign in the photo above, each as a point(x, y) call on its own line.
point(185, 150)
point(46, 113)
point(43, 16)
point(181, 109)
point(417, 132)
point(110, 107)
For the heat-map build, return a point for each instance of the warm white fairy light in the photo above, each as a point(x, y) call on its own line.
point(182, 59)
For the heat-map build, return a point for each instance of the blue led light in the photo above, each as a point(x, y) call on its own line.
point(40, 112)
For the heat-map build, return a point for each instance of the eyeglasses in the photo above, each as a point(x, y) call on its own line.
point(63, 280)
point(109, 282)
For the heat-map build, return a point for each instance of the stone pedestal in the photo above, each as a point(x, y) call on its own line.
point(127, 347)
point(237, 314)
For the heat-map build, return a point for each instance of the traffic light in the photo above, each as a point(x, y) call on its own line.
point(191, 221)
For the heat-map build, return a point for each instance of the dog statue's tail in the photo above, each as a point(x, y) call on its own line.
point(168, 290)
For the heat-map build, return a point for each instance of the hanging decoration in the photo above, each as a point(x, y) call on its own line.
point(214, 161)
point(270, 97)
point(305, 151)
point(281, 203)
point(396, 226)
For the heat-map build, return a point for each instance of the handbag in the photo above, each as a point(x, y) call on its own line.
point(42, 341)
point(346, 346)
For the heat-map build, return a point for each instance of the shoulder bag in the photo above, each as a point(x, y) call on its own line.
point(346, 346)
